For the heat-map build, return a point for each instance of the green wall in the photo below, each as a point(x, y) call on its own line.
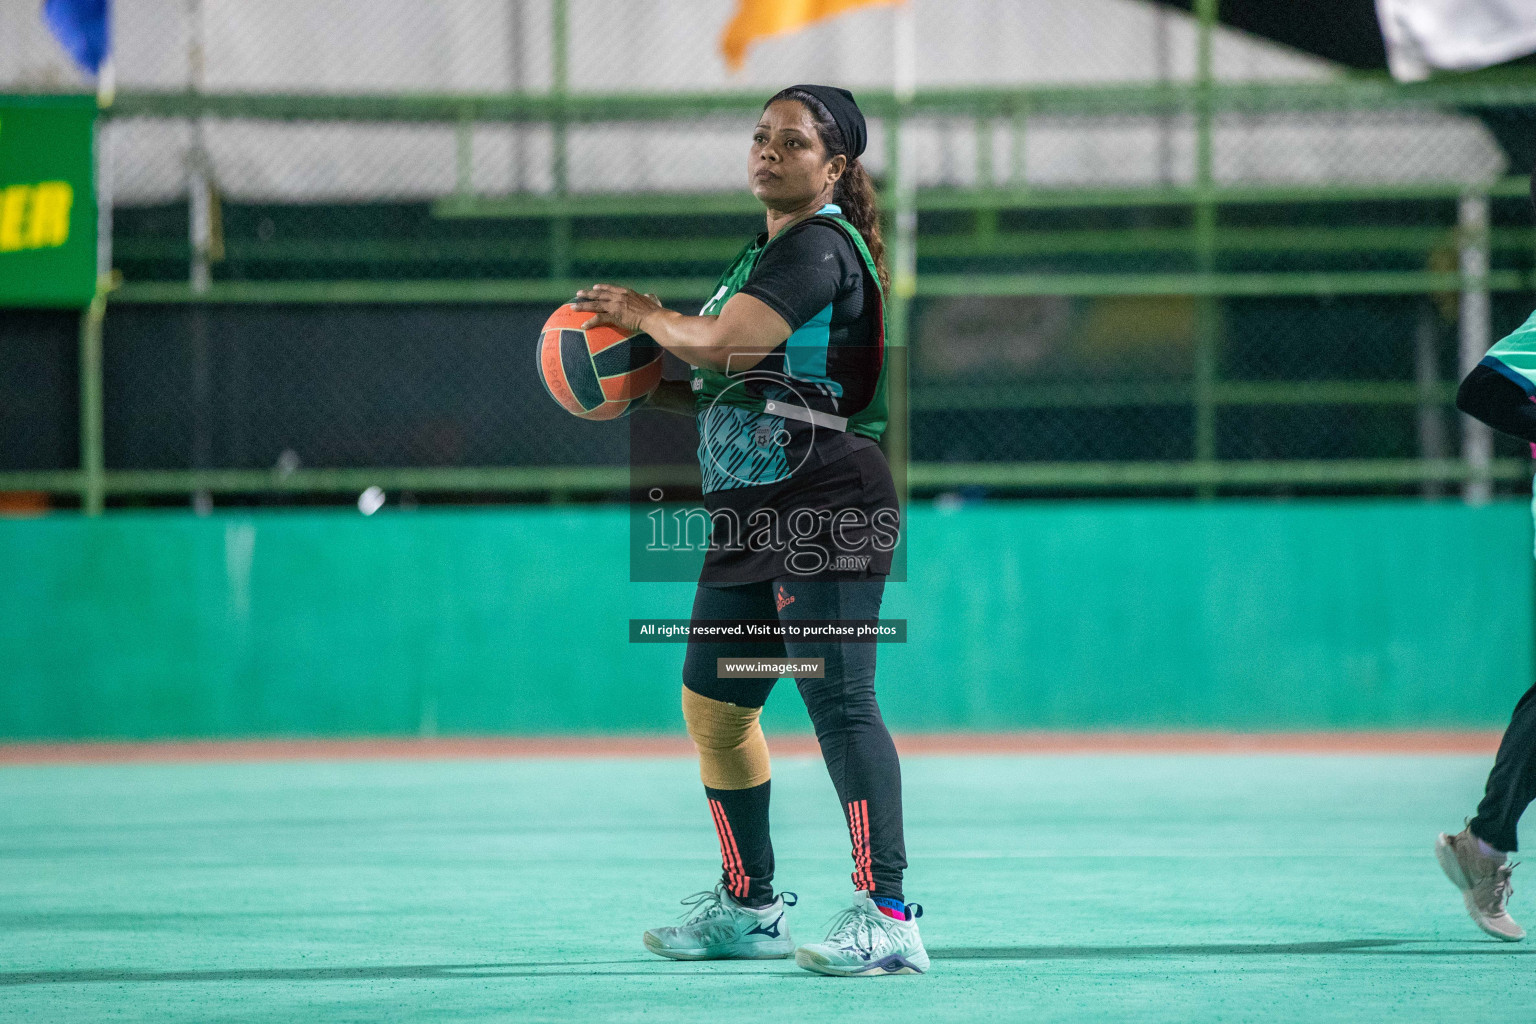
point(1051, 615)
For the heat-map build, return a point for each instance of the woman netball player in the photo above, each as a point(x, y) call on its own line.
point(1500, 391)
point(788, 388)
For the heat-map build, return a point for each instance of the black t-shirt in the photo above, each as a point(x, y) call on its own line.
point(814, 277)
point(811, 266)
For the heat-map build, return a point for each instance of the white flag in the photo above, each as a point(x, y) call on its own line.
point(1454, 35)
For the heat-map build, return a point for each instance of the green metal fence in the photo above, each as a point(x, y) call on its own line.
point(1285, 309)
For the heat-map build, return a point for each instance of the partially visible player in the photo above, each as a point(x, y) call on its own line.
point(1500, 391)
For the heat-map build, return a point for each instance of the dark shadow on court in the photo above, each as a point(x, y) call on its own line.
point(1369, 946)
point(55, 921)
point(648, 968)
point(382, 972)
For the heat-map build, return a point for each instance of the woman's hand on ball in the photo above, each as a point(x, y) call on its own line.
point(618, 307)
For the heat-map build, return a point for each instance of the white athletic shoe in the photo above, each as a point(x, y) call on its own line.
point(864, 942)
point(719, 928)
point(1483, 881)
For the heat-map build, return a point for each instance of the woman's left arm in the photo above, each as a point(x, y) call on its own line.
point(746, 330)
point(1488, 395)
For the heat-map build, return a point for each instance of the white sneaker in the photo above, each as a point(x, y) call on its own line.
point(719, 928)
point(863, 942)
point(1483, 881)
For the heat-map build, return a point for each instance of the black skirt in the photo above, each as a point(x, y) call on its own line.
point(839, 521)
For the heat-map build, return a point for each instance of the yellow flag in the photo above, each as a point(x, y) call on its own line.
point(759, 19)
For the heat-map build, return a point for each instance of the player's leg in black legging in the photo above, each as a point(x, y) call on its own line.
point(857, 747)
point(733, 754)
point(854, 741)
point(1512, 783)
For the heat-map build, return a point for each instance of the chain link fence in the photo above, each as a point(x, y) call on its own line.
point(1113, 379)
point(212, 387)
point(498, 46)
point(1039, 380)
point(340, 230)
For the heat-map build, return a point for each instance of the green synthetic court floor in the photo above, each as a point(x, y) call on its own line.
point(1073, 888)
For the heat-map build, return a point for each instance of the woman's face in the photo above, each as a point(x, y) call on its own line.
point(788, 166)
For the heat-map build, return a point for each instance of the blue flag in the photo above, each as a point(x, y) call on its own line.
point(83, 27)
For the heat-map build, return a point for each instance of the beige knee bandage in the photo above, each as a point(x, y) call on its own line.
point(733, 753)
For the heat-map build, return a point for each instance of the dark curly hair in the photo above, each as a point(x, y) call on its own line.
point(854, 191)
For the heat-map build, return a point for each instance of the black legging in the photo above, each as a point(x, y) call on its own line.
point(854, 741)
point(1512, 783)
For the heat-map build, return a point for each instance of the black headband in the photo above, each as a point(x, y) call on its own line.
point(845, 114)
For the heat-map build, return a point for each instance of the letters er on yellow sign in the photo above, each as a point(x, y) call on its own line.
point(759, 19)
point(35, 216)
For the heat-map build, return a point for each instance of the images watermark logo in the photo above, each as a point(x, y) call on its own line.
point(780, 473)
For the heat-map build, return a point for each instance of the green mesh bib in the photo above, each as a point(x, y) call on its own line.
point(711, 387)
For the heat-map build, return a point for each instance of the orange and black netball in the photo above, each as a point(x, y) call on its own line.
point(597, 374)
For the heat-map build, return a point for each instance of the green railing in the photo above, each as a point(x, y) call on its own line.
point(565, 481)
point(1204, 240)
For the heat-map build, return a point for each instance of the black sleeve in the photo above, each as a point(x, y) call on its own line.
point(802, 273)
point(1490, 396)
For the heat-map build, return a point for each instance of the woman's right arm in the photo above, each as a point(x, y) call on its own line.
point(672, 396)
